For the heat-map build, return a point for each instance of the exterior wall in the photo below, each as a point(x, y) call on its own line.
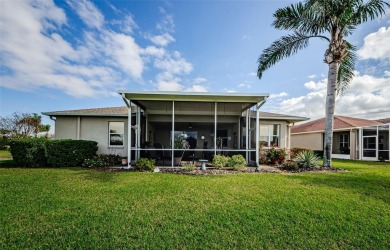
point(66, 127)
point(311, 141)
point(284, 131)
point(91, 128)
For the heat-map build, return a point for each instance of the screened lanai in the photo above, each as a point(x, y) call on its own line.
point(207, 123)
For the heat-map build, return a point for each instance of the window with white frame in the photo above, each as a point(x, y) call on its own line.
point(344, 141)
point(116, 134)
point(270, 135)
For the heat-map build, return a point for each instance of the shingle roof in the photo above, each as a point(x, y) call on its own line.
point(340, 122)
point(110, 111)
point(122, 111)
point(385, 120)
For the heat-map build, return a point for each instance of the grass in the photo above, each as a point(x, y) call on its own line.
point(88, 209)
point(5, 154)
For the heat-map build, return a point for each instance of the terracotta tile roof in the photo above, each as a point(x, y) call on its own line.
point(340, 122)
point(385, 120)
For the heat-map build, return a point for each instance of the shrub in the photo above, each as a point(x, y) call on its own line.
point(4, 143)
point(220, 161)
point(306, 159)
point(188, 167)
point(294, 151)
point(103, 160)
point(145, 164)
point(290, 165)
point(276, 155)
point(69, 153)
point(237, 162)
point(29, 152)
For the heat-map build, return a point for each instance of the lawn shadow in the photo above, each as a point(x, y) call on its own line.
point(7, 163)
point(370, 185)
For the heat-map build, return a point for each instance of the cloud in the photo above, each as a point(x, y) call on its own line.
point(199, 80)
point(367, 97)
point(376, 45)
point(126, 25)
point(161, 40)
point(166, 25)
point(312, 76)
point(36, 56)
point(386, 73)
point(274, 96)
point(173, 63)
point(168, 82)
point(245, 84)
point(252, 74)
point(88, 13)
point(197, 88)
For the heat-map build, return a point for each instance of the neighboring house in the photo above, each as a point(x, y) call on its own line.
point(211, 123)
point(353, 138)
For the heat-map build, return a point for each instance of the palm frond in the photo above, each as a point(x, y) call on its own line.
point(282, 48)
point(346, 69)
point(300, 18)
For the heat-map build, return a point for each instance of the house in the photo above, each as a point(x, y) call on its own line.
point(353, 138)
point(211, 123)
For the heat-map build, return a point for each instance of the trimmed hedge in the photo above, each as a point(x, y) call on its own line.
point(69, 153)
point(41, 152)
point(29, 152)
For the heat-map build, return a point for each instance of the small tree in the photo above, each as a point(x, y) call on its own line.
point(22, 125)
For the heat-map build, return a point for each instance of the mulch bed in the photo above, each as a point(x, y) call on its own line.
point(210, 171)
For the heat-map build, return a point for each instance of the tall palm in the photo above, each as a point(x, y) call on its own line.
point(329, 20)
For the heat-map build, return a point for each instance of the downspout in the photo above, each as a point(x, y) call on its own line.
point(258, 106)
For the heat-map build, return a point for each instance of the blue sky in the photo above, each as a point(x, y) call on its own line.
point(59, 55)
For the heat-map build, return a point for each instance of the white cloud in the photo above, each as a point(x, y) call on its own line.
point(154, 51)
point(88, 13)
point(386, 73)
point(245, 84)
point(197, 88)
point(312, 76)
point(376, 45)
point(252, 74)
point(168, 82)
point(367, 97)
point(199, 80)
point(161, 40)
point(166, 25)
point(126, 25)
point(282, 94)
point(173, 63)
point(37, 56)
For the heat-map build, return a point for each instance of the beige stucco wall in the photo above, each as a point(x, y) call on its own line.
point(91, 128)
point(310, 140)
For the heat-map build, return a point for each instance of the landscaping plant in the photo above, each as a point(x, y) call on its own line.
point(306, 159)
point(103, 160)
point(295, 151)
point(220, 161)
point(276, 155)
point(145, 164)
point(188, 167)
point(237, 162)
point(29, 152)
point(290, 165)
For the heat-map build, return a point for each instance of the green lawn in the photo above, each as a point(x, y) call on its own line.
point(5, 154)
point(89, 209)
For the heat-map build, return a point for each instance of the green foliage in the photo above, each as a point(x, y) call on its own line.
point(69, 153)
point(306, 159)
point(276, 155)
point(29, 152)
point(237, 162)
point(290, 165)
point(145, 164)
point(220, 161)
point(103, 160)
point(295, 151)
point(4, 143)
point(188, 167)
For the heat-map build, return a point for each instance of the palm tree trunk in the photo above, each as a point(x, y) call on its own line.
point(329, 111)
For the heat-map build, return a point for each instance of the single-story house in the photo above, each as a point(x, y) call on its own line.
point(210, 123)
point(353, 138)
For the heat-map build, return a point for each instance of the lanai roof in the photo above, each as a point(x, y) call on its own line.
point(340, 122)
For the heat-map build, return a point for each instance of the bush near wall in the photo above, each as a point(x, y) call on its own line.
point(69, 153)
point(295, 151)
point(29, 152)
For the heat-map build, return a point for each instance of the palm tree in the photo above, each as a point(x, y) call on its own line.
point(331, 21)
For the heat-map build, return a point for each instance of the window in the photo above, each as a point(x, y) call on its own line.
point(344, 141)
point(116, 133)
point(269, 135)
